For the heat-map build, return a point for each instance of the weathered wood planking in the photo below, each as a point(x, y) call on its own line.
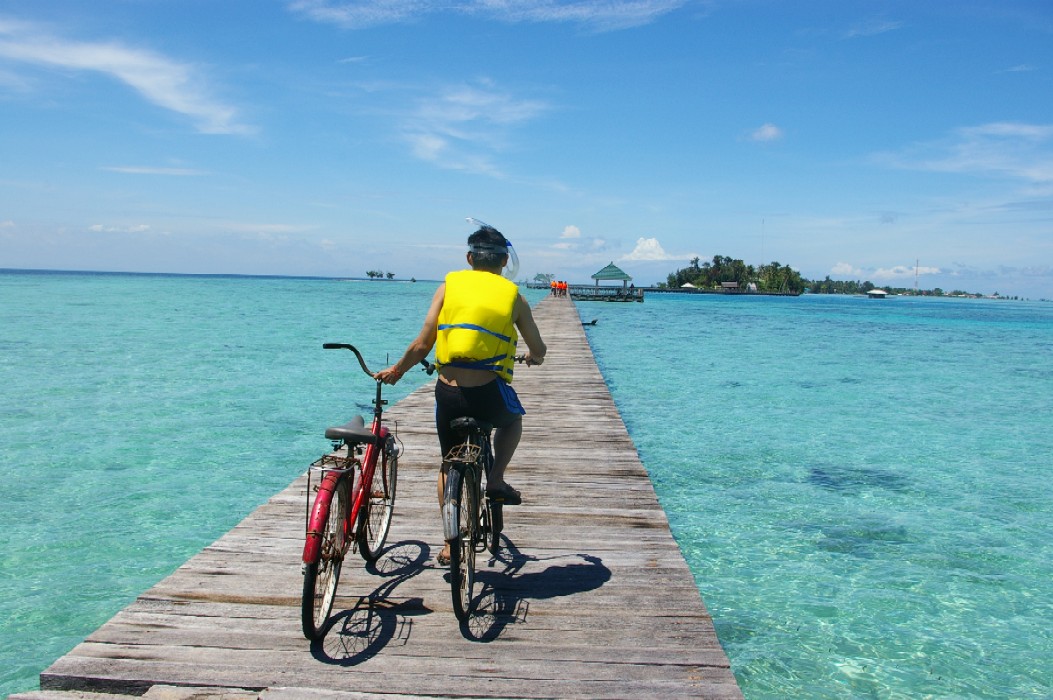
point(590, 598)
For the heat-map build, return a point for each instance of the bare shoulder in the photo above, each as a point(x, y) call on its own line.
point(521, 309)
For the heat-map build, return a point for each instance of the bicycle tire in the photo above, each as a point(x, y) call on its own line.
point(321, 577)
point(462, 547)
point(375, 517)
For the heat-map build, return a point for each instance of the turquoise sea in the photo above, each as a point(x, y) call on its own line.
point(862, 488)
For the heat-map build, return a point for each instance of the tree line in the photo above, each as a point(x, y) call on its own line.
point(771, 277)
point(829, 286)
point(776, 277)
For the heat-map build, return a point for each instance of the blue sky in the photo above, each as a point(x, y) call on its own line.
point(324, 137)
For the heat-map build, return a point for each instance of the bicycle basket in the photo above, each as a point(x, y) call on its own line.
point(332, 462)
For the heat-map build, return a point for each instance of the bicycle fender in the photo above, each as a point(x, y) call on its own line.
point(316, 522)
point(451, 506)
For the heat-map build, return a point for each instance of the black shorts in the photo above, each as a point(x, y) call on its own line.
point(494, 402)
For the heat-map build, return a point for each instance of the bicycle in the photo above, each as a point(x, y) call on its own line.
point(353, 506)
point(470, 523)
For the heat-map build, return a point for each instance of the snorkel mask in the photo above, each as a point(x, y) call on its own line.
point(512, 267)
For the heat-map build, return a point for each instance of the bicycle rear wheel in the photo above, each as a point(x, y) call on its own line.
point(375, 517)
point(462, 547)
point(321, 577)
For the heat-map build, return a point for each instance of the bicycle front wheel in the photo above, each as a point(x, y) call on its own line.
point(462, 547)
point(378, 505)
point(321, 577)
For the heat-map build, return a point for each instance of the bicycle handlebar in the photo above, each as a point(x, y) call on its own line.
point(352, 348)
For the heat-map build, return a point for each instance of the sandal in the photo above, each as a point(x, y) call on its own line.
point(443, 559)
point(507, 496)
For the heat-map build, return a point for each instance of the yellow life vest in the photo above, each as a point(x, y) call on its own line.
point(475, 324)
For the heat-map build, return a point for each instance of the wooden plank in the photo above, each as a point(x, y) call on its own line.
point(590, 597)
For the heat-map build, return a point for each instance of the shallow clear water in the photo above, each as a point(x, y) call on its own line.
point(861, 488)
point(143, 416)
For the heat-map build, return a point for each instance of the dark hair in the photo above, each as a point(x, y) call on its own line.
point(489, 247)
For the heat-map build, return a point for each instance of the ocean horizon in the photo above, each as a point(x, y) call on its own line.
point(860, 487)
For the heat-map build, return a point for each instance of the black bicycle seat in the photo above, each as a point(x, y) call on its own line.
point(467, 424)
point(353, 432)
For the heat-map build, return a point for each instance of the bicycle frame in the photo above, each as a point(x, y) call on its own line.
point(471, 523)
point(331, 479)
point(353, 503)
point(375, 441)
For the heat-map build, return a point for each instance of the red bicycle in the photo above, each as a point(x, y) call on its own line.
point(354, 489)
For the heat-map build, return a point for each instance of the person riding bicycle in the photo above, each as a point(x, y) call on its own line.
point(472, 324)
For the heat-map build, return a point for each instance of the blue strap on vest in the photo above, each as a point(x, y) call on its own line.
point(490, 364)
point(473, 327)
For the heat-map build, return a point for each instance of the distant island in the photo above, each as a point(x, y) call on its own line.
point(774, 277)
point(771, 278)
point(829, 286)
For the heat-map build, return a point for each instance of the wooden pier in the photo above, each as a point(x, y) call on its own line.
point(584, 292)
point(590, 598)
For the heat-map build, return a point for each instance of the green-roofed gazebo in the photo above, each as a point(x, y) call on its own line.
point(612, 272)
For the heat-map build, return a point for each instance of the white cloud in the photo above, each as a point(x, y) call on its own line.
point(266, 230)
point(903, 271)
point(427, 146)
point(464, 127)
point(162, 81)
point(148, 170)
point(7, 224)
point(137, 228)
point(897, 272)
point(465, 104)
point(843, 269)
point(599, 15)
point(572, 241)
point(872, 28)
point(1029, 132)
point(359, 15)
point(766, 132)
point(1016, 150)
point(649, 249)
point(14, 82)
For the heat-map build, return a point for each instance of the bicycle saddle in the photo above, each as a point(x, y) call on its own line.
point(352, 432)
point(466, 424)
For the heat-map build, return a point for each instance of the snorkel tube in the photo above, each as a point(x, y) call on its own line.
point(511, 269)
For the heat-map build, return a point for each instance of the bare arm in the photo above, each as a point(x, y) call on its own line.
point(528, 331)
point(421, 345)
